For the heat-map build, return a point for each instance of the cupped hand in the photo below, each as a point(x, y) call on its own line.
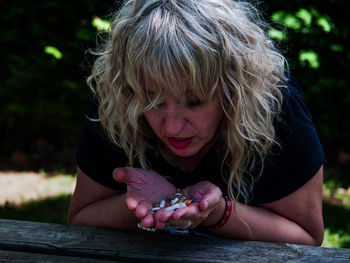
point(207, 197)
point(144, 187)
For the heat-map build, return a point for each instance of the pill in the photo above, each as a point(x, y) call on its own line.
point(190, 201)
point(174, 201)
point(180, 205)
point(170, 208)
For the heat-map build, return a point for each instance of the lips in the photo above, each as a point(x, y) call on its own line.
point(180, 143)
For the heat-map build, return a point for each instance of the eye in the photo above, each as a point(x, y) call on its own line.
point(160, 105)
point(156, 105)
point(194, 103)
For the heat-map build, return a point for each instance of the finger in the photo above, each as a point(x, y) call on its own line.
point(148, 220)
point(160, 225)
point(204, 205)
point(211, 198)
point(123, 175)
point(162, 218)
point(162, 215)
point(189, 211)
point(133, 199)
point(143, 208)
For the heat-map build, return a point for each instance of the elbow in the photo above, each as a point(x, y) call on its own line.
point(314, 238)
point(71, 219)
point(317, 234)
point(75, 221)
point(318, 238)
point(313, 241)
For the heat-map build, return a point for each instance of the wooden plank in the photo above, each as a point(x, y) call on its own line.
point(25, 257)
point(136, 246)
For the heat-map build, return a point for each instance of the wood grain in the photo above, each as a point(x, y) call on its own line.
point(106, 244)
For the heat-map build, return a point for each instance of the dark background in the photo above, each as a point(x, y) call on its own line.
point(44, 65)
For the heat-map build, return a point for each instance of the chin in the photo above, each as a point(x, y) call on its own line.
point(184, 152)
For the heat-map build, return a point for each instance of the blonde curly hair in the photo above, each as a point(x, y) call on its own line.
point(220, 48)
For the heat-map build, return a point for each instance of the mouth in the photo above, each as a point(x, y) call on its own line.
point(180, 143)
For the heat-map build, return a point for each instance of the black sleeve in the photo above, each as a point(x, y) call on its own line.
point(298, 156)
point(95, 155)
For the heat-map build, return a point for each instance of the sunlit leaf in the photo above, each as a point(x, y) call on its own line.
point(335, 239)
point(277, 16)
point(277, 34)
point(304, 15)
point(100, 24)
point(309, 57)
point(50, 50)
point(325, 24)
point(292, 22)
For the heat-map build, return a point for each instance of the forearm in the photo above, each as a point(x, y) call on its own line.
point(260, 224)
point(110, 212)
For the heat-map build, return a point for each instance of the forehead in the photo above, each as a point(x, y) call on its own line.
point(178, 87)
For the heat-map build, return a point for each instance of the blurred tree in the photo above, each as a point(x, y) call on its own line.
point(43, 95)
point(315, 37)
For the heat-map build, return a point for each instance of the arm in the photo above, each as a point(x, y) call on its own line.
point(96, 205)
point(296, 218)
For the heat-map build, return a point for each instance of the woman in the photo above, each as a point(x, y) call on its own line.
point(192, 95)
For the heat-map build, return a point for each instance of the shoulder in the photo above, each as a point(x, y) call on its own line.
point(295, 119)
point(96, 155)
point(297, 154)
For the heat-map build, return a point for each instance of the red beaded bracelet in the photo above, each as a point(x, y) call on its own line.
point(225, 216)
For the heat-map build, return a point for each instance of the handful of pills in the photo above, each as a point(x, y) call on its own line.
point(173, 202)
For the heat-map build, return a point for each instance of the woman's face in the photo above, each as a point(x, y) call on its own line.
point(186, 130)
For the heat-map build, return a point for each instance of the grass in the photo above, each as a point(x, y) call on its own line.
point(336, 211)
point(51, 210)
point(336, 214)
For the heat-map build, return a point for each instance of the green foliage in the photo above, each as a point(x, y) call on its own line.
point(51, 210)
point(336, 214)
point(338, 239)
point(43, 95)
point(337, 225)
point(100, 25)
point(316, 37)
point(53, 51)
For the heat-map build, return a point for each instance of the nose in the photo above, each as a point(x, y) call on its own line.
point(174, 119)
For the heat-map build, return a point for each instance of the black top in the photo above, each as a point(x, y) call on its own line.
point(286, 168)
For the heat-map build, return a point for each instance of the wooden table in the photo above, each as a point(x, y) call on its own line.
point(25, 242)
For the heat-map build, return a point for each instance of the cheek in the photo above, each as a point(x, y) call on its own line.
point(206, 122)
point(212, 117)
point(153, 120)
